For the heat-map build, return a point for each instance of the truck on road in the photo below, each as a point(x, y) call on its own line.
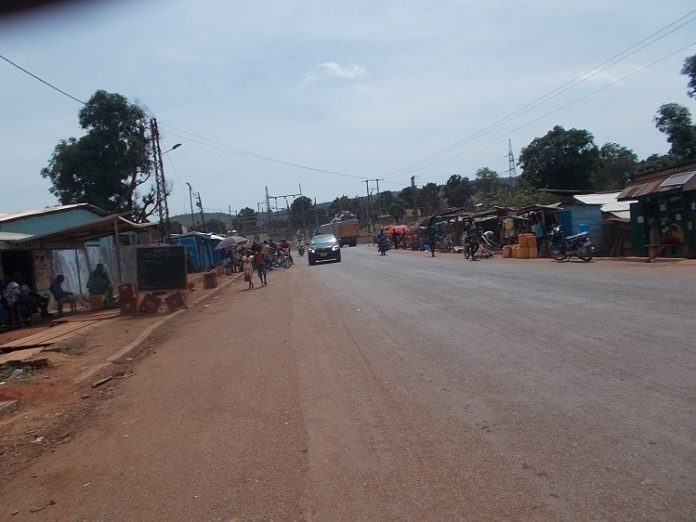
point(344, 226)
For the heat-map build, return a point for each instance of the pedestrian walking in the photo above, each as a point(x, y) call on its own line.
point(246, 267)
point(432, 239)
point(261, 263)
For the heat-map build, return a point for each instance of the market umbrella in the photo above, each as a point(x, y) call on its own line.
point(400, 229)
point(231, 241)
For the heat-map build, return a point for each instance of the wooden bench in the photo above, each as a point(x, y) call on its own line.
point(656, 249)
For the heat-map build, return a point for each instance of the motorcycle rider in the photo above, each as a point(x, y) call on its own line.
point(382, 242)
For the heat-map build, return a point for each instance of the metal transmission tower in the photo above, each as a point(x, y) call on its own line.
point(511, 162)
point(160, 184)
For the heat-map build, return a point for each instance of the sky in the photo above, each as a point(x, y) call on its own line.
point(317, 96)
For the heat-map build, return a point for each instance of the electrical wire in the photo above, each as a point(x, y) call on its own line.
point(411, 167)
point(573, 102)
point(617, 58)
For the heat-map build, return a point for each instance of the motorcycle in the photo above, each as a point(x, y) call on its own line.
point(300, 250)
point(562, 248)
point(383, 246)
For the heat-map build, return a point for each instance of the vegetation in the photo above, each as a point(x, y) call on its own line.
point(110, 165)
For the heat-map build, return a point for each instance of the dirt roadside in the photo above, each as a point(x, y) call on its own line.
point(54, 400)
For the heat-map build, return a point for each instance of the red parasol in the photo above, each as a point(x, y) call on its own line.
point(400, 229)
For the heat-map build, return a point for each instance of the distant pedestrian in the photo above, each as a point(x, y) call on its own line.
point(472, 239)
point(246, 268)
point(395, 239)
point(538, 229)
point(261, 264)
point(432, 239)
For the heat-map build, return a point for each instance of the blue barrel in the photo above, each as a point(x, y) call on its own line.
point(583, 228)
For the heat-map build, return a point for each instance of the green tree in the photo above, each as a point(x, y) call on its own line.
point(689, 70)
point(674, 121)
point(487, 186)
point(429, 198)
point(397, 209)
point(457, 190)
point(656, 162)
point(216, 226)
point(110, 164)
point(300, 211)
point(562, 159)
point(616, 165)
point(522, 194)
point(247, 220)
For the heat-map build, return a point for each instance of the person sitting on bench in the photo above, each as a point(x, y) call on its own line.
point(61, 296)
point(99, 284)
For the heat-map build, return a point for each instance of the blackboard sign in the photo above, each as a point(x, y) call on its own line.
point(161, 267)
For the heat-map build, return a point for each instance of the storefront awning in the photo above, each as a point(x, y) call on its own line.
point(76, 236)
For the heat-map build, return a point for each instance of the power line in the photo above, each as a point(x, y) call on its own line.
point(637, 71)
point(42, 80)
point(617, 58)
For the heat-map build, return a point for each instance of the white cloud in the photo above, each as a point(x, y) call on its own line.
point(332, 71)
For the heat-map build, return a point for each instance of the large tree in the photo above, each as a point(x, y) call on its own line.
point(674, 121)
point(300, 211)
point(110, 164)
point(487, 187)
point(247, 220)
point(457, 190)
point(562, 159)
point(689, 70)
point(616, 165)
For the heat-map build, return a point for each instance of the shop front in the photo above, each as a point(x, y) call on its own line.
point(663, 218)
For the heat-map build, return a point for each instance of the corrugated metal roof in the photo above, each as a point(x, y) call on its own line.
point(623, 215)
point(607, 200)
point(653, 183)
point(597, 199)
point(12, 236)
point(10, 216)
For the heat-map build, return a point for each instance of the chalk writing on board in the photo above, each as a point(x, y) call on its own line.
point(161, 267)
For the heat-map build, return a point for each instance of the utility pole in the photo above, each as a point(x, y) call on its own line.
point(304, 212)
point(511, 161)
point(369, 209)
point(160, 184)
point(199, 204)
point(268, 207)
point(413, 193)
point(379, 204)
point(193, 220)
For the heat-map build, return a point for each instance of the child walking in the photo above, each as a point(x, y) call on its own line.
point(246, 267)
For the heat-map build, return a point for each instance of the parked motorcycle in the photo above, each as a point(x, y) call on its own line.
point(561, 247)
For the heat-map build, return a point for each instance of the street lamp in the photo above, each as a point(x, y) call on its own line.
point(193, 221)
point(176, 146)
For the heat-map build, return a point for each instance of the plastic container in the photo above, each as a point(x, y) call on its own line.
point(533, 254)
point(96, 302)
point(175, 301)
point(151, 304)
point(507, 251)
point(523, 252)
point(128, 306)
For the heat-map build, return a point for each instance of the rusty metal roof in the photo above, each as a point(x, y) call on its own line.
point(682, 180)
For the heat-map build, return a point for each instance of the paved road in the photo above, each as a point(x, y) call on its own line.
point(401, 387)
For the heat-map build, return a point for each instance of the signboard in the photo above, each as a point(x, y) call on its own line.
point(161, 267)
